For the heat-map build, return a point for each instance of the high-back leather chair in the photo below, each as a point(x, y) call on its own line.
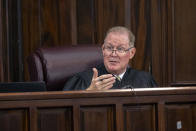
point(55, 65)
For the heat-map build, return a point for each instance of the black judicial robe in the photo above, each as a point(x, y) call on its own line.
point(131, 79)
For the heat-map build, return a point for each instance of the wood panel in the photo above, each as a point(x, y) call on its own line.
point(136, 115)
point(97, 118)
point(159, 41)
point(164, 30)
point(140, 24)
point(54, 23)
point(182, 31)
point(179, 117)
point(173, 42)
point(13, 120)
point(55, 119)
point(85, 21)
point(114, 110)
point(4, 39)
point(194, 116)
point(1, 45)
point(45, 23)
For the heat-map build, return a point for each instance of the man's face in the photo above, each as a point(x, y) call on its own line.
point(114, 61)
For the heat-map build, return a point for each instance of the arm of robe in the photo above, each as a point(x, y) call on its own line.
point(152, 82)
point(80, 81)
point(147, 80)
point(141, 79)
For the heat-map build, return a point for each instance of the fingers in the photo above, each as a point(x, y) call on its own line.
point(107, 84)
point(106, 76)
point(104, 82)
point(105, 79)
point(95, 73)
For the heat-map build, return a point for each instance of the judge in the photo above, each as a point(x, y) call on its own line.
point(115, 73)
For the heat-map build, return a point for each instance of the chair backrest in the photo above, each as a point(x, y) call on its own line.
point(55, 65)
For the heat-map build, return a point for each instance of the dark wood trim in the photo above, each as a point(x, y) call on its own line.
point(4, 49)
point(119, 117)
point(76, 114)
point(128, 14)
point(33, 120)
point(159, 42)
point(93, 94)
point(171, 46)
point(1, 43)
point(73, 22)
point(161, 111)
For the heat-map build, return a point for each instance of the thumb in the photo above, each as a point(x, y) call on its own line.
point(95, 73)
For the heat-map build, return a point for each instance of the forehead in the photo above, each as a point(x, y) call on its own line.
point(117, 37)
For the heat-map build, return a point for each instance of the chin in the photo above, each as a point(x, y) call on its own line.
point(113, 70)
point(112, 67)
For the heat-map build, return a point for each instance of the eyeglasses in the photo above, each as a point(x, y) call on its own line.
point(119, 50)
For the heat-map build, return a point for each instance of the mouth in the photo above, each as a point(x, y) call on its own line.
point(113, 62)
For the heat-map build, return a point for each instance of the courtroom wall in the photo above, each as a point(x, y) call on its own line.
point(164, 30)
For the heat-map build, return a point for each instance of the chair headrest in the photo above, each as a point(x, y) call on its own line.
point(60, 63)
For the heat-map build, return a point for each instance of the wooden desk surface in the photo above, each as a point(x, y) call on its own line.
point(107, 93)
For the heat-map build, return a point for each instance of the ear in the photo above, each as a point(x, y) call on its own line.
point(102, 46)
point(132, 52)
point(102, 49)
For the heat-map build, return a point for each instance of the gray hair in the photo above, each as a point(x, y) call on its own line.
point(121, 29)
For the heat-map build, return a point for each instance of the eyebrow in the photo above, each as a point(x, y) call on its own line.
point(120, 46)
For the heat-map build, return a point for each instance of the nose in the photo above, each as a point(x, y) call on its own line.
point(114, 52)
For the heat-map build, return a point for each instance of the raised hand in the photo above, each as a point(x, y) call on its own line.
point(102, 82)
